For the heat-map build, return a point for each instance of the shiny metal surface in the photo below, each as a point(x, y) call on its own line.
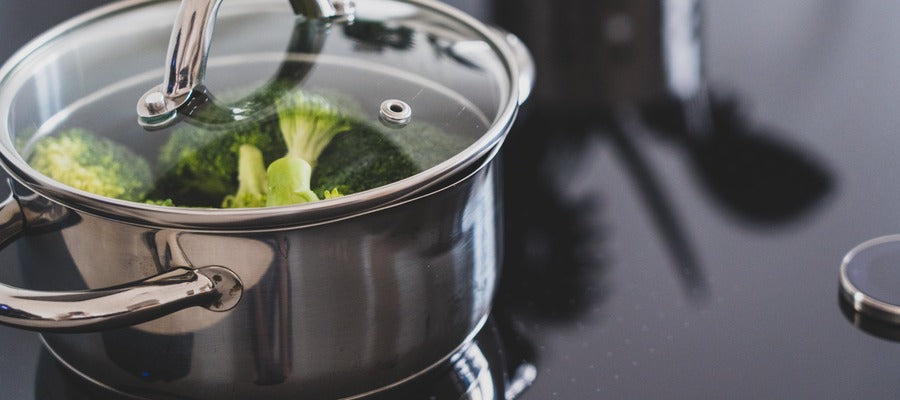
point(340, 298)
point(522, 378)
point(862, 260)
point(329, 9)
point(524, 59)
point(79, 311)
point(101, 309)
point(188, 52)
point(484, 369)
point(12, 220)
point(395, 112)
point(185, 63)
point(328, 311)
point(264, 218)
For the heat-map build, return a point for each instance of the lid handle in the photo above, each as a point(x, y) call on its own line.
point(189, 48)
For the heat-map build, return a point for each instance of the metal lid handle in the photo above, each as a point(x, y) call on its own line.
point(189, 49)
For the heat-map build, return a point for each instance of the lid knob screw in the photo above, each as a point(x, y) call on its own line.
point(395, 113)
point(155, 102)
point(156, 110)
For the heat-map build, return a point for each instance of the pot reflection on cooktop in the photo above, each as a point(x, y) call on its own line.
point(486, 369)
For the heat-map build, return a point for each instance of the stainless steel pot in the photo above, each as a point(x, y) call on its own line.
point(334, 299)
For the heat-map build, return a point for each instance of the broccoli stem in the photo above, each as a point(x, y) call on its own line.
point(289, 179)
point(252, 185)
point(308, 124)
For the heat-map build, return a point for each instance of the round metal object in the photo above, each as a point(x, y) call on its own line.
point(344, 9)
point(870, 278)
point(395, 112)
point(271, 217)
point(227, 284)
point(349, 289)
point(156, 110)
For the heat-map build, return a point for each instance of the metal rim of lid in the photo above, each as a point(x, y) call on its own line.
point(258, 218)
point(859, 300)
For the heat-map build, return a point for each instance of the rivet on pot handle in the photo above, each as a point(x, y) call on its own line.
point(213, 287)
point(524, 61)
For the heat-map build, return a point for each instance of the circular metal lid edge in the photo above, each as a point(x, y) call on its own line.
point(860, 301)
point(259, 218)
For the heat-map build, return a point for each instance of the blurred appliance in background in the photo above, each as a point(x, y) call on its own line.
point(593, 54)
point(596, 62)
point(622, 71)
point(638, 67)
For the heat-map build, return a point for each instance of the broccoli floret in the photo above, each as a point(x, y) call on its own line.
point(369, 156)
point(425, 144)
point(199, 167)
point(308, 125)
point(315, 146)
point(85, 161)
point(252, 182)
point(157, 202)
point(360, 159)
point(332, 194)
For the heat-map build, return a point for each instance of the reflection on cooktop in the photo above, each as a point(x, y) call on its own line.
point(486, 369)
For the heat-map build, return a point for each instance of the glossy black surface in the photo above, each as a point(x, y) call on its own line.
point(644, 265)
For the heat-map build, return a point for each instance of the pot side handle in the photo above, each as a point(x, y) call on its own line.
point(213, 287)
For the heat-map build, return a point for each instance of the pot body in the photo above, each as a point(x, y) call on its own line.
point(331, 310)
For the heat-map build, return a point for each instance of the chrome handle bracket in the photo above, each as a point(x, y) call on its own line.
point(213, 287)
point(188, 50)
point(327, 9)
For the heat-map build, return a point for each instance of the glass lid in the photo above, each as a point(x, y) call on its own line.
point(286, 110)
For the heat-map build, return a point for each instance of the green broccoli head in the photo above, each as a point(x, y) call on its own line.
point(425, 144)
point(199, 166)
point(252, 182)
point(85, 161)
point(361, 159)
point(315, 146)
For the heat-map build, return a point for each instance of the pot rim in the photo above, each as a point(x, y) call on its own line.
point(258, 218)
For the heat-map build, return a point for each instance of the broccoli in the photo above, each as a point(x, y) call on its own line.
point(332, 194)
point(308, 124)
point(316, 146)
point(199, 167)
point(369, 156)
point(426, 144)
point(360, 159)
point(85, 161)
point(157, 202)
point(252, 183)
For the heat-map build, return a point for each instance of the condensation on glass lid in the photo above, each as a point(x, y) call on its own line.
point(870, 278)
point(444, 124)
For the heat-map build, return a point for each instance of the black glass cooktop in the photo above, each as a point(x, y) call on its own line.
point(644, 261)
